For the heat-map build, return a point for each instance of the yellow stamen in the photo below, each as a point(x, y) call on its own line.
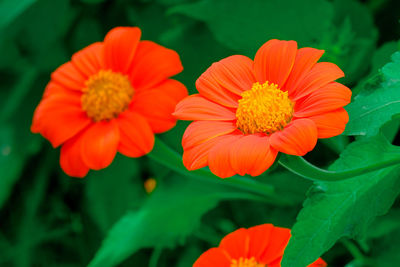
point(106, 95)
point(263, 109)
point(246, 263)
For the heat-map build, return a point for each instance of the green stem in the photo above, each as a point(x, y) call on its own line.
point(171, 159)
point(303, 168)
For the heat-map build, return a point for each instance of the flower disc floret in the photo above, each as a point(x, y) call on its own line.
point(242, 262)
point(106, 95)
point(263, 109)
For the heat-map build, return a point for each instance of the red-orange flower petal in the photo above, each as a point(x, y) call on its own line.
point(278, 240)
point(212, 90)
point(214, 257)
point(68, 76)
point(196, 107)
point(318, 263)
point(173, 89)
point(158, 104)
point(53, 89)
point(153, 64)
point(59, 117)
point(260, 236)
point(320, 75)
point(330, 97)
point(305, 59)
point(252, 154)
point(136, 135)
point(219, 156)
point(71, 158)
point(274, 61)
point(99, 144)
point(234, 73)
point(236, 243)
point(201, 131)
point(332, 123)
point(197, 157)
point(120, 46)
point(298, 137)
point(89, 60)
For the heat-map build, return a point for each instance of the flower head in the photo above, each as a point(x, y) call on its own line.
point(247, 111)
point(112, 96)
point(258, 246)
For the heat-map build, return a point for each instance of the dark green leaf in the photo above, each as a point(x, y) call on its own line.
point(385, 251)
point(86, 32)
point(16, 142)
point(92, 1)
point(382, 55)
point(11, 163)
point(351, 40)
point(245, 26)
point(45, 23)
point(384, 225)
point(111, 192)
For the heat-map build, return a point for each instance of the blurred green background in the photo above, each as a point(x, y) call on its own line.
point(49, 219)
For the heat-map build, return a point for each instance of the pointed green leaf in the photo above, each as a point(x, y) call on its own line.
point(344, 208)
point(371, 109)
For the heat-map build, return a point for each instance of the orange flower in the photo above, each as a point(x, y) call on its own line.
point(258, 246)
point(112, 96)
point(247, 111)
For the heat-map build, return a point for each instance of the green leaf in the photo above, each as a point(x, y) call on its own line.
point(382, 55)
point(170, 214)
point(351, 40)
point(384, 225)
point(114, 190)
point(86, 32)
point(16, 141)
point(369, 111)
point(92, 1)
point(151, 19)
point(44, 24)
point(345, 208)
point(11, 163)
point(11, 9)
point(385, 251)
point(245, 26)
point(197, 51)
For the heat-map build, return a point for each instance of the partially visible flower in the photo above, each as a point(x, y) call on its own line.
point(247, 111)
point(112, 96)
point(149, 185)
point(258, 246)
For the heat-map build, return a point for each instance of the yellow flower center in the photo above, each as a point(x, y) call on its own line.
point(263, 109)
point(246, 263)
point(106, 95)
